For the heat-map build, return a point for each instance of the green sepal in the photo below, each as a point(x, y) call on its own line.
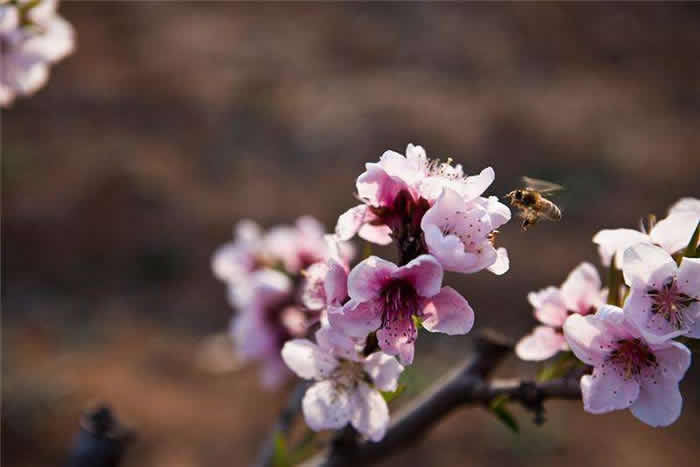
point(391, 395)
point(499, 408)
point(564, 363)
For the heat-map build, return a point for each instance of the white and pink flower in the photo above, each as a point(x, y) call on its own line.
point(579, 294)
point(672, 233)
point(629, 372)
point(32, 37)
point(326, 284)
point(664, 299)
point(461, 234)
point(386, 298)
point(348, 385)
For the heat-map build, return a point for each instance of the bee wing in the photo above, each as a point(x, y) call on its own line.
point(541, 186)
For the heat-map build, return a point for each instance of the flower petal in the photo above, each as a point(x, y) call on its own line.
point(614, 242)
point(398, 338)
point(673, 360)
point(448, 312)
point(653, 326)
point(674, 232)
point(606, 390)
point(356, 319)
point(335, 284)
point(550, 308)
point(307, 360)
point(379, 234)
point(688, 277)
point(370, 414)
point(336, 343)
point(350, 221)
point(424, 273)
point(326, 406)
point(590, 337)
point(502, 264)
point(368, 278)
point(384, 371)
point(581, 289)
point(658, 404)
point(544, 342)
point(647, 266)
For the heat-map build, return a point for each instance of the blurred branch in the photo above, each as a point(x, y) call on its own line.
point(283, 425)
point(101, 441)
point(466, 385)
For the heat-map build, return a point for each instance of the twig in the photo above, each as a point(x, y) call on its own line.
point(283, 425)
point(464, 386)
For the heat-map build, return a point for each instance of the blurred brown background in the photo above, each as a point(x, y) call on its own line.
point(174, 120)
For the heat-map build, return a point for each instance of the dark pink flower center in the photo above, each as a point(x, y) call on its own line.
point(631, 357)
point(400, 304)
point(670, 303)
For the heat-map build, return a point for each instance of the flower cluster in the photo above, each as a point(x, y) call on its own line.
point(367, 317)
point(264, 274)
point(629, 342)
point(32, 37)
point(372, 313)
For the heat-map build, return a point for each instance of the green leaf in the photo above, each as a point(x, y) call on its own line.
point(391, 395)
point(499, 408)
point(417, 322)
point(280, 457)
point(558, 368)
point(691, 251)
point(303, 449)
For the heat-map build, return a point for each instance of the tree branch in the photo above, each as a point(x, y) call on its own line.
point(283, 425)
point(464, 386)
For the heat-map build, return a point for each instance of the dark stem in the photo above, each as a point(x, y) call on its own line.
point(283, 424)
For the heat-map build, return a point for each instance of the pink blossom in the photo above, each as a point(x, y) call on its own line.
point(268, 320)
point(672, 233)
point(298, 246)
point(30, 41)
point(385, 297)
point(461, 234)
point(629, 372)
point(348, 385)
point(235, 261)
point(579, 294)
point(664, 299)
point(326, 282)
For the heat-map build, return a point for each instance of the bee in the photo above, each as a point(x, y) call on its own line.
point(533, 204)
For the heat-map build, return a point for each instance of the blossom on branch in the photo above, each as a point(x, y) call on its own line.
point(32, 37)
point(629, 372)
point(386, 298)
point(348, 384)
point(672, 233)
point(664, 299)
point(579, 294)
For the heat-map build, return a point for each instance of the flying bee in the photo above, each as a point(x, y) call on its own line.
point(532, 203)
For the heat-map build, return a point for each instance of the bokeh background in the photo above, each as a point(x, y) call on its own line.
point(174, 120)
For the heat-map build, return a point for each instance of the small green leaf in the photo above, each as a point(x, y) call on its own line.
point(691, 251)
point(499, 408)
point(558, 368)
point(280, 457)
point(391, 395)
point(417, 322)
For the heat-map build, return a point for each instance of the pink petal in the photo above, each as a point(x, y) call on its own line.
point(673, 360)
point(581, 289)
point(685, 205)
point(502, 264)
point(615, 241)
point(334, 342)
point(653, 326)
point(647, 266)
point(356, 319)
point(369, 413)
point(658, 404)
point(313, 293)
point(688, 277)
point(336, 283)
point(350, 221)
point(674, 232)
point(384, 371)
point(550, 307)
point(448, 312)
point(543, 343)
point(424, 273)
point(379, 234)
point(590, 337)
point(307, 360)
point(368, 278)
point(377, 187)
point(398, 338)
point(326, 406)
point(606, 390)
